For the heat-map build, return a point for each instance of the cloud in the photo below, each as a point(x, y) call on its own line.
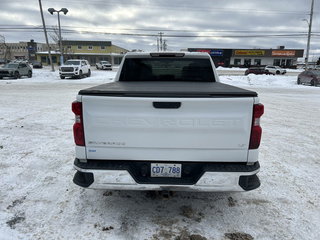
point(208, 21)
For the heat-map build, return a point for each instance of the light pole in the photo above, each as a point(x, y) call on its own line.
point(64, 10)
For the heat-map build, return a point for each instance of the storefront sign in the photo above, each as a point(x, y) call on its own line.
point(204, 50)
point(283, 53)
point(249, 52)
point(216, 53)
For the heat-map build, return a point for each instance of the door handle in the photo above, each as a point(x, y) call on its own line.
point(167, 105)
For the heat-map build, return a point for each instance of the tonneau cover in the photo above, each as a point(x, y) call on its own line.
point(167, 89)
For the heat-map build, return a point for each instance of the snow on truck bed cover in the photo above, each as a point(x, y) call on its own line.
point(167, 89)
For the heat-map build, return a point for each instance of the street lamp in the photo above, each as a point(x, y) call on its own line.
point(64, 10)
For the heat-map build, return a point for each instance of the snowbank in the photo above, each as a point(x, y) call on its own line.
point(39, 201)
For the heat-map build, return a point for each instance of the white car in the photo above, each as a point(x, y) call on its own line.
point(75, 68)
point(104, 65)
point(275, 70)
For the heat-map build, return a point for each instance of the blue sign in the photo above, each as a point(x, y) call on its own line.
point(216, 52)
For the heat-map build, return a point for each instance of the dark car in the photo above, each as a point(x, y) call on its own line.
point(16, 70)
point(36, 64)
point(311, 77)
point(256, 70)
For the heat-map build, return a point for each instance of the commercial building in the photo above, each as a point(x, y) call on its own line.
point(21, 50)
point(93, 51)
point(253, 57)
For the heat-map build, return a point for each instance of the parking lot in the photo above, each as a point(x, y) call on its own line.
point(39, 201)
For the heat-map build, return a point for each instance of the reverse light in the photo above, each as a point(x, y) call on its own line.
point(256, 130)
point(78, 131)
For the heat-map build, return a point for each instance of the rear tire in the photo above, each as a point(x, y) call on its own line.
point(313, 83)
point(278, 72)
point(298, 81)
point(80, 74)
point(89, 73)
point(16, 75)
point(29, 74)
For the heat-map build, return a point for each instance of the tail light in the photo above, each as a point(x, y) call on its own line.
point(78, 131)
point(256, 130)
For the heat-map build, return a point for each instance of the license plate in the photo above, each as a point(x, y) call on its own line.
point(166, 170)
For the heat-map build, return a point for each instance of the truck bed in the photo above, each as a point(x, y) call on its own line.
point(167, 89)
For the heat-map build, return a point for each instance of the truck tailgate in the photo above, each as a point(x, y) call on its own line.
point(195, 129)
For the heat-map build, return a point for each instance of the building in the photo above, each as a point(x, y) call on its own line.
point(93, 51)
point(21, 50)
point(253, 57)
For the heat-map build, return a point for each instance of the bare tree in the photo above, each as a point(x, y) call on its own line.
point(55, 35)
point(5, 47)
point(56, 39)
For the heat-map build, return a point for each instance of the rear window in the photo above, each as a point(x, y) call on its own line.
point(167, 69)
point(317, 73)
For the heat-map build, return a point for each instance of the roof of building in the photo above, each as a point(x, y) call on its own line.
point(93, 43)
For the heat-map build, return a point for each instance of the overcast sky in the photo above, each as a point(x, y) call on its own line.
point(185, 23)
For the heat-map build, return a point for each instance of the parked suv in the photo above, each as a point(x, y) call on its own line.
point(16, 70)
point(104, 65)
point(275, 70)
point(75, 68)
point(311, 77)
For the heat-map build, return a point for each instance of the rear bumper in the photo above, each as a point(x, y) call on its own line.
point(202, 177)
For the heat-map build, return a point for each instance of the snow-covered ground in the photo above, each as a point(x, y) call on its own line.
point(39, 201)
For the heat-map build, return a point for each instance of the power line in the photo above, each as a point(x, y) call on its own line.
point(69, 31)
point(66, 28)
point(181, 7)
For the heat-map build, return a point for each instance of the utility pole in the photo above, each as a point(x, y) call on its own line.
point(309, 36)
point(46, 36)
point(158, 44)
point(165, 45)
point(161, 44)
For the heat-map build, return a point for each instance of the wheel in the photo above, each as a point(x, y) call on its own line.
point(89, 73)
point(16, 75)
point(97, 67)
point(298, 81)
point(62, 77)
point(29, 74)
point(313, 83)
point(80, 74)
point(277, 72)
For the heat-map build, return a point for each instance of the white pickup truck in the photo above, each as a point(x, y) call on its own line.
point(167, 123)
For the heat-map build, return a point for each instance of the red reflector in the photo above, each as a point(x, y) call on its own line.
point(77, 108)
point(78, 134)
point(258, 110)
point(255, 138)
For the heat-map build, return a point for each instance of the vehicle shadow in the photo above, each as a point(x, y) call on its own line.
point(163, 215)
